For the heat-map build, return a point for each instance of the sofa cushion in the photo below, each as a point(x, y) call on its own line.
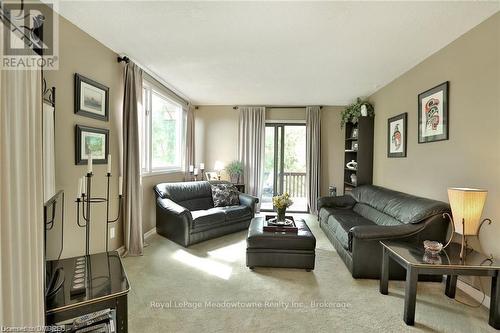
point(324, 213)
point(192, 195)
point(225, 195)
point(374, 215)
point(207, 217)
point(341, 222)
point(405, 208)
point(235, 213)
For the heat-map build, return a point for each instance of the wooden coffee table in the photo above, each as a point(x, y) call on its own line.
point(411, 257)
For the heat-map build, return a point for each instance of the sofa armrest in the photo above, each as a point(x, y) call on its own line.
point(173, 221)
point(172, 207)
point(381, 232)
point(249, 201)
point(345, 201)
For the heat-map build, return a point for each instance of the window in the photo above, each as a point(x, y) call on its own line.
point(162, 132)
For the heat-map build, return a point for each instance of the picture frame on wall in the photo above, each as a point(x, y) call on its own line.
point(91, 98)
point(91, 141)
point(397, 135)
point(433, 122)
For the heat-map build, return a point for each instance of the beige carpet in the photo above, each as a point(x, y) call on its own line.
point(207, 288)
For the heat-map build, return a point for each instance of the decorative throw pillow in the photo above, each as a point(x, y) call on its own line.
point(225, 195)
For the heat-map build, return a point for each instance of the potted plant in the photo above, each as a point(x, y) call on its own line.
point(281, 203)
point(355, 110)
point(235, 170)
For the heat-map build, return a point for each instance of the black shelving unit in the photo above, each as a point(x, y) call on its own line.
point(363, 155)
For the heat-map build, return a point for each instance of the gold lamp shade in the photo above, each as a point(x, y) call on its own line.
point(467, 205)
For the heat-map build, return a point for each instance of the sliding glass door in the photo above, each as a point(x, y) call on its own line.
point(285, 165)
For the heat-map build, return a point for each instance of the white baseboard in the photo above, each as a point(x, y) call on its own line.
point(149, 233)
point(474, 293)
point(121, 250)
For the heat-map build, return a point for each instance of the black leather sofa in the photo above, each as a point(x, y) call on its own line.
point(355, 224)
point(185, 212)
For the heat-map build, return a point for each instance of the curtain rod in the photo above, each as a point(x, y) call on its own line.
point(126, 60)
point(283, 107)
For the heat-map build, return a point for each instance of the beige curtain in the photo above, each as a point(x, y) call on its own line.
point(21, 199)
point(252, 124)
point(132, 187)
point(49, 154)
point(190, 140)
point(313, 156)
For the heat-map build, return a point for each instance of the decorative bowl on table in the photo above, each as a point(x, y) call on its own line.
point(432, 247)
point(432, 259)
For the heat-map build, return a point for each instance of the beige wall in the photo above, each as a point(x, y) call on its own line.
point(471, 157)
point(294, 114)
point(216, 135)
point(216, 129)
point(80, 53)
point(332, 150)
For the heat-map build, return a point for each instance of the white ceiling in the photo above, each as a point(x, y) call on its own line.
point(276, 53)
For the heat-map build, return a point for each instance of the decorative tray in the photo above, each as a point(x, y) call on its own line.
point(288, 226)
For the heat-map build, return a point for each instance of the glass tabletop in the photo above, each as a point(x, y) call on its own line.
point(417, 256)
point(106, 279)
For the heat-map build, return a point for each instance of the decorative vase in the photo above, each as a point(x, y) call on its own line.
point(235, 178)
point(354, 179)
point(364, 110)
point(281, 214)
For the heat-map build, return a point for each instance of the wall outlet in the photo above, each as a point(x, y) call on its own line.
point(112, 232)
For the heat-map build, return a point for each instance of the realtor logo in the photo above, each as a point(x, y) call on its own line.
point(29, 32)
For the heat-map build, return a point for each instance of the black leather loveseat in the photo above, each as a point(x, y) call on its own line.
point(185, 212)
point(355, 223)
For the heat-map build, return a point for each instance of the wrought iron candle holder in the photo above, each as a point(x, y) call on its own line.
point(86, 200)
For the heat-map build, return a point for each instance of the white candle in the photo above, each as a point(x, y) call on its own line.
point(80, 183)
point(202, 166)
point(120, 185)
point(109, 163)
point(195, 172)
point(84, 184)
point(191, 168)
point(89, 164)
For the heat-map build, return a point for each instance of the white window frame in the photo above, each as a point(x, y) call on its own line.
point(146, 133)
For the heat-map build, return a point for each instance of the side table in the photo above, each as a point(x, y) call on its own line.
point(448, 262)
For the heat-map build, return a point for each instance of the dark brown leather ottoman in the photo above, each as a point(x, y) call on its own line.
point(273, 249)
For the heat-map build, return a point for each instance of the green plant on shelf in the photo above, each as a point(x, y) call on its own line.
point(352, 112)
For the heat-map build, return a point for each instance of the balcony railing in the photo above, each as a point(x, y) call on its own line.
point(295, 184)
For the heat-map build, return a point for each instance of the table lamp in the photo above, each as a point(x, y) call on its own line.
point(466, 208)
point(218, 167)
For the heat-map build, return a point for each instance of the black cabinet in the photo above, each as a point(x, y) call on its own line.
point(107, 287)
point(358, 148)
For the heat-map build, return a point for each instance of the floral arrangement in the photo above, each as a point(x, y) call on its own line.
point(282, 201)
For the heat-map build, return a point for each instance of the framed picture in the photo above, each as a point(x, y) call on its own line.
point(354, 145)
point(433, 114)
point(91, 141)
point(397, 135)
point(211, 175)
point(91, 98)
